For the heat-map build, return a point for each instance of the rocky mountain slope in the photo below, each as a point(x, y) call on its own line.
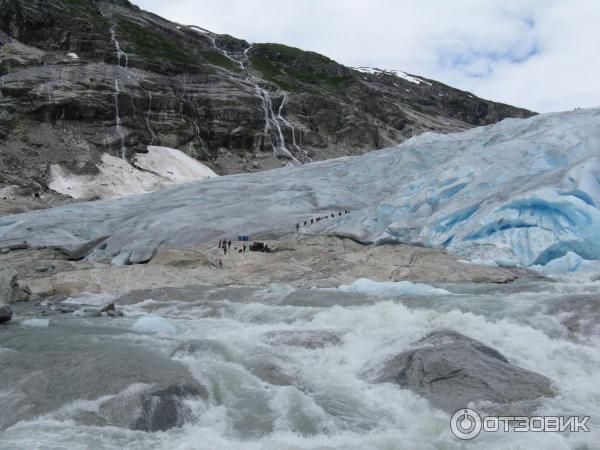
point(82, 78)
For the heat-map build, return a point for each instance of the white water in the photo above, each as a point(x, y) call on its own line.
point(118, 127)
point(120, 55)
point(147, 115)
point(279, 147)
point(272, 120)
point(329, 405)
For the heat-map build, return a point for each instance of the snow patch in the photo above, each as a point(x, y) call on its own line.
point(397, 73)
point(173, 165)
point(158, 168)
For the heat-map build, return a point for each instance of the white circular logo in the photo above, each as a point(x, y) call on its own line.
point(465, 424)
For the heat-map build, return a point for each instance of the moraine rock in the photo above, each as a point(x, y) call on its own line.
point(451, 370)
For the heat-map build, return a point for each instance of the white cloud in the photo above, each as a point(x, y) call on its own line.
point(539, 54)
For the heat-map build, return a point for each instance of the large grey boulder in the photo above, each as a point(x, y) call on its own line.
point(451, 370)
point(145, 390)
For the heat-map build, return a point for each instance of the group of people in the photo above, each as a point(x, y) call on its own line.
point(254, 247)
point(319, 219)
point(226, 245)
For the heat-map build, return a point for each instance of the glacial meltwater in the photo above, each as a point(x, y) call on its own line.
point(284, 368)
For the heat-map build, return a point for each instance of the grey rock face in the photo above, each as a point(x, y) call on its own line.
point(146, 389)
point(197, 91)
point(10, 291)
point(451, 370)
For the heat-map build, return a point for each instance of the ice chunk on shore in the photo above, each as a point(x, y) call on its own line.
point(154, 324)
point(366, 286)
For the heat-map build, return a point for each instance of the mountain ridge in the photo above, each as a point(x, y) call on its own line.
point(81, 78)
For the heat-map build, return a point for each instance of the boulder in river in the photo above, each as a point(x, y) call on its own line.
point(451, 370)
point(5, 314)
point(53, 367)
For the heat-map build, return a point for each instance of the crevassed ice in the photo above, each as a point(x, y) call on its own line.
point(517, 192)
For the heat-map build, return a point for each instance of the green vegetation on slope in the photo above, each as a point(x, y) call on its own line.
point(153, 44)
point(292, 68)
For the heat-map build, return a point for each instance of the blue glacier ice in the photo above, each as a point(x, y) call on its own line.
point(521, 192)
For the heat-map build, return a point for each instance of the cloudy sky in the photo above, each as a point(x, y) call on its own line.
point(540, 54)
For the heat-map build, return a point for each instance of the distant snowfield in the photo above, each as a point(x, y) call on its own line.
point(152, 171)
point(397, 73)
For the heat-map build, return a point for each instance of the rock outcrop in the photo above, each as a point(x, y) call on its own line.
point(10, 292)
point(135, 388)
point(82, 78)
point(451, 370)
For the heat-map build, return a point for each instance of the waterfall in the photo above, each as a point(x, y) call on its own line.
point(288, 124)
point(272, 121)
point(120, 53)
point(148, 112)
point(118, 118)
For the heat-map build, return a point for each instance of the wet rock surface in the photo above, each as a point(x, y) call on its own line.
point(451, 370)
point(145, 390)
point(5, 314)
point(10, 292)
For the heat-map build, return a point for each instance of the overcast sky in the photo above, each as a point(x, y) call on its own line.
point(539, 54)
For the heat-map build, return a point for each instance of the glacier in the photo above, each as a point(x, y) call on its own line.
point(519, 192)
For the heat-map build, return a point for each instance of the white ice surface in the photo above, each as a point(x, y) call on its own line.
point(173, 165)
point(519, 192)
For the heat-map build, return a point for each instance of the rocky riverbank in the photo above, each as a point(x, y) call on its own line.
point(305, 262)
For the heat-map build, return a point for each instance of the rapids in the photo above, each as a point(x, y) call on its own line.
point(284, 368)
